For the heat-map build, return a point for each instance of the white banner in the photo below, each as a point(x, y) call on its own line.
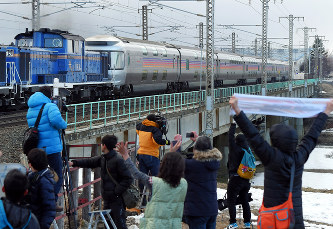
point(280, 106)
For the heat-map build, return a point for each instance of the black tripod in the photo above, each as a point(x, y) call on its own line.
point(68, 186)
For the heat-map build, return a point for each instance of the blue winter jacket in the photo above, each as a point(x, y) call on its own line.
point(42, 195)
point(50, 124)
point(201, 175)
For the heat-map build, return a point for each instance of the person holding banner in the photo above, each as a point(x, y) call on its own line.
point(279, 158)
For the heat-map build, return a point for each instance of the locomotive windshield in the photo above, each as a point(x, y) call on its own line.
point(53, 42)
point(25, 42)
point(116, 60)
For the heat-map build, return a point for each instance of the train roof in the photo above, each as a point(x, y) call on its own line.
point(116, 39)
point(62, 33)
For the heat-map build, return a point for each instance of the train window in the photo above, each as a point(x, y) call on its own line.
point(117, 60)
point(155, 53)
point(187, 64)
point(77, 47)
point(144, 51)
point(144, 75)
point(25, 42)
point(70, 46)
point(53, 43)
point(196, 74)
point(10, 52)
point(165, 74)
point(155, 75)
point(164, 52)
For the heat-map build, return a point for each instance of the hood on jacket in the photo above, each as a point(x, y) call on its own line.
point(37, 99)
point(284, 138)
point(146, 122)
point(17, 216)
point(210, 155)
point(241, 141)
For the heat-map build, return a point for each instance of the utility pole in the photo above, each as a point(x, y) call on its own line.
point(35, 15)
point(209, 65)
point(306, 48)
point(209, 68)
point(201, 49)
point(233, 44)
point(256, 47)
point(264, 46)
point(291, 19)
point(144, 22)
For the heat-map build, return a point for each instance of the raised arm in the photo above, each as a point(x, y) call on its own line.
point(231, 134)
point(309, 141)
point(142, 177)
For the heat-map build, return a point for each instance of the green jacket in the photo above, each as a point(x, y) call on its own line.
point(165, 209)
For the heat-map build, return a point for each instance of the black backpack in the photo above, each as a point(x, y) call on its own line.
point(31, 137)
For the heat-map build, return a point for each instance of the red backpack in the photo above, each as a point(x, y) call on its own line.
point(281, 216)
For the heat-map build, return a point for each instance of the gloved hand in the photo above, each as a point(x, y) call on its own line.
point(167, 142)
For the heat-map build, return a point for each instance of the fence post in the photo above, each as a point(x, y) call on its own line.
point(75, 183)
point(86, 194)
point(96, 151)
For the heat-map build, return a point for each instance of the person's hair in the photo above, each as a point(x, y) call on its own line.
point(46, 90)
point(172, 168)
point(151, 117)
point(15, 183)
point(38, 159)
point(110, 141)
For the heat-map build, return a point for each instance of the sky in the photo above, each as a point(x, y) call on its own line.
point(173, 21)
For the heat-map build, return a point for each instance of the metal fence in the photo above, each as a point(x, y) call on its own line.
point(99, 114)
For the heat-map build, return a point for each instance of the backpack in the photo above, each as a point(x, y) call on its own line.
point(4, 224)
point(31, 137)
point(247, 167)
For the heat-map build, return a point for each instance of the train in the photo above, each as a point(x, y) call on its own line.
point(104, 66)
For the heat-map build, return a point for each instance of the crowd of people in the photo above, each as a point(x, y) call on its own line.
point(182, 186)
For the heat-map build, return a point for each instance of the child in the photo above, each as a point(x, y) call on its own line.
point(12, 214)
point(41, 188)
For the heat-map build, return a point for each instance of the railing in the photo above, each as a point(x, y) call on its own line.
point(104, 113)
point(83, 201)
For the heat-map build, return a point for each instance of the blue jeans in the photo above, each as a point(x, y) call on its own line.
point(148, 164)
point(55, 162)
point(201, 222)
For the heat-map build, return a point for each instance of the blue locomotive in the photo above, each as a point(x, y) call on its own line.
point(103, 66)
point(40, 56)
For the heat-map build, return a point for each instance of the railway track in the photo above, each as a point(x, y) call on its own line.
point(12, 119)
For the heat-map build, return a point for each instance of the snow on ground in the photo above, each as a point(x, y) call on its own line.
point(317, 207)
point(310, 180)
point(320, 158)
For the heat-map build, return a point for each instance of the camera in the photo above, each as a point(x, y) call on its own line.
point(190, 135)
point(162, 122)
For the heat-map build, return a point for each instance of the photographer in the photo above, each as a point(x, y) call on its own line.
point(200, 209)
point(50, 126)
point(150, 140)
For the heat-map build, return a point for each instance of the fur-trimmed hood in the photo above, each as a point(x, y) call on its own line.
point(210, 155)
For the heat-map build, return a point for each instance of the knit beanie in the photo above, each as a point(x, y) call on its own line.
point(203, 144)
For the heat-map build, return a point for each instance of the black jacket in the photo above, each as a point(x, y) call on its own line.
point(201, 175)
point(236, 152)
point(278, 164)
point(18, 216)
point(116, 166)
point(42, 196)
